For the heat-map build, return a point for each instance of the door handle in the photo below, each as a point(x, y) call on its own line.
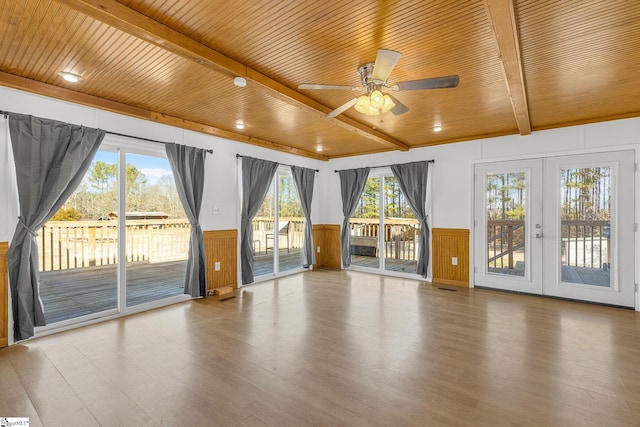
point(539, 234)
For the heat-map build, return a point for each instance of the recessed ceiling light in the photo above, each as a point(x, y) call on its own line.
point(70, 77)
point(437, 128)
point(240, 125)
point(319, 147)
point(240, 81)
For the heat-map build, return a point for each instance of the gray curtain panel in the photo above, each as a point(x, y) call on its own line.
point(412, 179)
point(187, 164)
point(51, 160)
point(256, 179)
point(303, 179)
point(352, 183)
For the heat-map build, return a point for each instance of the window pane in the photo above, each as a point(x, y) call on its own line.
point(401, 230)
point(263, 236)
point(585, 197)
point(157, 231)
point(505, 211)
point(365, 226)
point(290, 225)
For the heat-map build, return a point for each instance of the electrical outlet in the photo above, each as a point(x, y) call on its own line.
point(216, 266)
point(318, 249)
point(454, 260)
point(216, 210)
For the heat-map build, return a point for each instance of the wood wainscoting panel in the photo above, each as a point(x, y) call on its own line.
point(327, 236)
point(318, 242)
point(4, 294)
point(448, 243)
point(221, 246)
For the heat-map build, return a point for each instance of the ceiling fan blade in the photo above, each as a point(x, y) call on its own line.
point(433, 83)
point(344, 107)
point(385, 61)
point(399, 108)
point(327, 87)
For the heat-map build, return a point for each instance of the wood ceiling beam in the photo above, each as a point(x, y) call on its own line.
point(28, 85)
point(501, 14)
point(131, 22)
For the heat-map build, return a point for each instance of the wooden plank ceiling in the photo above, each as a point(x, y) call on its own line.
point(524, 66)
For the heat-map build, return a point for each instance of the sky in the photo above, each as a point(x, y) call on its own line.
point(152, 167)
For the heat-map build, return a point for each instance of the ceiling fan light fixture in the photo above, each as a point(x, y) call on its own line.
point(70, 77)
point(376, 99)
point(374, 104)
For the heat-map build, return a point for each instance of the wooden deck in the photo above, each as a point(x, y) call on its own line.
point(570, 274)
point(390, 264)
point(67, 294)
point(263, 264)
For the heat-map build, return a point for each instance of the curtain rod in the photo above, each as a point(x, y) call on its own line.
point(6, 114)
point(383, 166)
point(238, 156)
point(144, 139)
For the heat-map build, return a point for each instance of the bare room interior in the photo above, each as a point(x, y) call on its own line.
point(348, 213)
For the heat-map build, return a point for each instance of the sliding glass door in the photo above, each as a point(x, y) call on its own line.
point(126, 208)
point(78, 248)
point(384, 230)
point(278, 228)
point(157, 231)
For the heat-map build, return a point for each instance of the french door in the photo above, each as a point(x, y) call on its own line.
point(560, 226)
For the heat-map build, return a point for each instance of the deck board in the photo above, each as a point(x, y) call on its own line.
point(67, 294)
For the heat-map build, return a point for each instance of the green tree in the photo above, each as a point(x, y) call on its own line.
point(102, 175)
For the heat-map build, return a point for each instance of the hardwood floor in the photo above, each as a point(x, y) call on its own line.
point(331, 348)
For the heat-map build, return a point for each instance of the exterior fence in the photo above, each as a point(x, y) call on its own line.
point(583, 243)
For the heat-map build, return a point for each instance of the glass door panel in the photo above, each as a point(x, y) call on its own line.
point(508, 225)
point(78, 247)
point(401, 230)
point(365, 227)
point(157, 231)
point(290, 233)
point(589, 220)
point(585, 212)
point(264, 231)
point(505, 205)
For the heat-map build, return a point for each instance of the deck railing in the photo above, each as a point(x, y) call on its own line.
point(66, 245)
point(586, 244)
point(583, 243)
point(505, 241)
point(400, 236)
point(264, 232)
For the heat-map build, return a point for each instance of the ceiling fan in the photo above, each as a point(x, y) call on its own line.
point(373, 76)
